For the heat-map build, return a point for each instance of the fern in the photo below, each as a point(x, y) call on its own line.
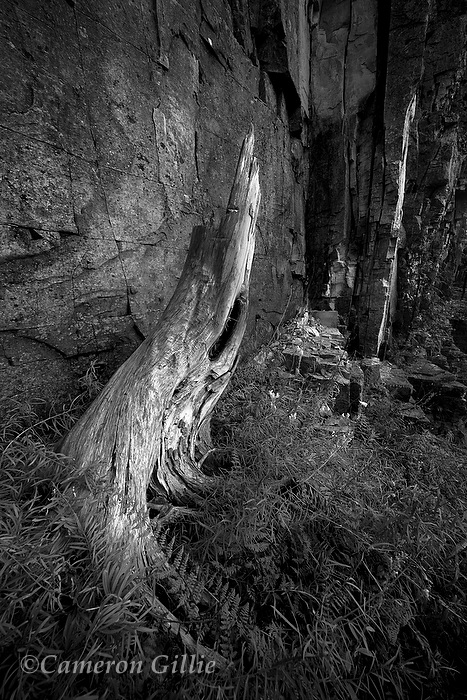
point(318, 569)
point(235, 459)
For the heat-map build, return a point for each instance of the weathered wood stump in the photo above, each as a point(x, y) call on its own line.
point(151, 421)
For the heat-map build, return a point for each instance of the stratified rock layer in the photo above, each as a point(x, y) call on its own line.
point(388, 144)
point(121, 125)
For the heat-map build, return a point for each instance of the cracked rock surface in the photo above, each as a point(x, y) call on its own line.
point(121, 125)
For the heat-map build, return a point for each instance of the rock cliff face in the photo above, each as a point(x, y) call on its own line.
point(388, 143)
point(121, 124)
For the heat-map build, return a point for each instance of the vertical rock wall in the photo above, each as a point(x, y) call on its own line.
point(388, 133)
point(435, 201)
point(344, 140)
point(121, 123)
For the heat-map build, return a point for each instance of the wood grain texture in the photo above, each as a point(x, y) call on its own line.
point(151, 421)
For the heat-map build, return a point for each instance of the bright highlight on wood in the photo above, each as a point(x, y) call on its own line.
point(150, 424)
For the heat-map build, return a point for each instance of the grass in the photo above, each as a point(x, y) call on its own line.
point(334, 562)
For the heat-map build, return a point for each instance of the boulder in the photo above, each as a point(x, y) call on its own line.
point(342, 401)
point(425, 375)
point(396, 382)
point(371, 367)
point(357, 380)
point(412, 412)
point(330, 319)
point(445, 395)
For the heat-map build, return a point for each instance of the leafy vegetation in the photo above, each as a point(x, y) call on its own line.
point(322, 564)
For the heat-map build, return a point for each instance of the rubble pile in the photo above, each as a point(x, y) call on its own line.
point(312, 348)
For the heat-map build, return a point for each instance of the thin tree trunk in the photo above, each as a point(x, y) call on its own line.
point(151, 421)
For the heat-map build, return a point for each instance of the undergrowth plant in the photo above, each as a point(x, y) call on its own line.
point(320, 565)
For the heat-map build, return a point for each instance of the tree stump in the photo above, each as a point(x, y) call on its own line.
point(150, 424)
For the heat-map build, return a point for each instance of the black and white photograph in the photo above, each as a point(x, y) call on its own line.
point(233, 350)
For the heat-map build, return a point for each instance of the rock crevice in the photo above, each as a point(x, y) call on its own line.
point(120, 125)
